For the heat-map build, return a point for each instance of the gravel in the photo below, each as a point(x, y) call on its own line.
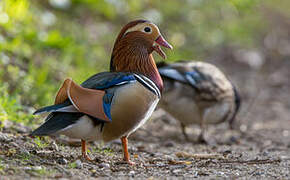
point(261, 150)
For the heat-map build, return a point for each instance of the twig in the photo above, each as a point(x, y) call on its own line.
point(198, 156)
point(255, 161)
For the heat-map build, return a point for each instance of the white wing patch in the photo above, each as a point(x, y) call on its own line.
point(70, 108)
point(172, 73)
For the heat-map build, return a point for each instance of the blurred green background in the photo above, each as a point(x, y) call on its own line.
point(44, 41)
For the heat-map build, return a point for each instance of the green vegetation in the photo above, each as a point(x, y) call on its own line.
point(72, 165)
point(40, 143)
point(1, 166)
point(43, 42)
point(11, 108)
point(24, 156)
point(100, 150)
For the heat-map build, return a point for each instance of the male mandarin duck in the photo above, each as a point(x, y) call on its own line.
point(198, 93)
point(111, 105)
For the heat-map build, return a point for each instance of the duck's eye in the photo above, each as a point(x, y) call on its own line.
point(147, 29)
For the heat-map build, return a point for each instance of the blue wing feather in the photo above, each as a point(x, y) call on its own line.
point(189, 77)
point(172, 74)
point(107, 100)
point(193, 78)
point(106, 80)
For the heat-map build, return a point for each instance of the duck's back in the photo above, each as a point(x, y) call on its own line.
point(196, 91)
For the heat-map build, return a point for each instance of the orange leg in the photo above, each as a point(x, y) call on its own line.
point(84, 151)
point(125, 150)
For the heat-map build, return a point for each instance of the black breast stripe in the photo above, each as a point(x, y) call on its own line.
point(150, 85)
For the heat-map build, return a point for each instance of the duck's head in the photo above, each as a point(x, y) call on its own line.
point(143, 33)
point(139, 37)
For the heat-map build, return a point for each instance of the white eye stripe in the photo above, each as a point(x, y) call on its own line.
point(141, 27)
point(135, 28)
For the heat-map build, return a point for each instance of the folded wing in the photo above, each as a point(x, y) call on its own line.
point(195, 76)
point(91, 97)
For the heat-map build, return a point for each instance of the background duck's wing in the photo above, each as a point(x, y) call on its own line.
point(181, 73)
point(207, 81)
point(167, 71)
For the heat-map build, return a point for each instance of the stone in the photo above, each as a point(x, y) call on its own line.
point(104, 165)
point(62, 161)
point(79, 164)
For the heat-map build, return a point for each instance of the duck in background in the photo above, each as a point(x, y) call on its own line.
point(198, 93)
point(111, 105)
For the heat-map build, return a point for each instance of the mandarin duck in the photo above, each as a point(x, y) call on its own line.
point(111, 105)
point(198, 93)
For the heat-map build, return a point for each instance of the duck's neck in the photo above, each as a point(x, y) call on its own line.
point(135, 59)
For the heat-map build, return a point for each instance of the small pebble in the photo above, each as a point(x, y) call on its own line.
point(243, 128)
point(79, 164)
point(234, 139)
point(122, 168)
point(26, 168)
point(7, 124)
point(54, 146)
point(24, 151)
point(226, 152)
point(131, 173)
point(37, 168)
point(169, 158)
point(265, 153)
point(14, 144)
point(169, 144)
point(4, 137)
point(141, 148)
point(175, 171)
point(104, 165)
point(62, 161)
point(284, 157)
point(259, 173)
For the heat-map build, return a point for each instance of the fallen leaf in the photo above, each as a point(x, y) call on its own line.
point(198, 156)
point(173, 162)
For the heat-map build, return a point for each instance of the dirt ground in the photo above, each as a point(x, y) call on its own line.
point(258, 148)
